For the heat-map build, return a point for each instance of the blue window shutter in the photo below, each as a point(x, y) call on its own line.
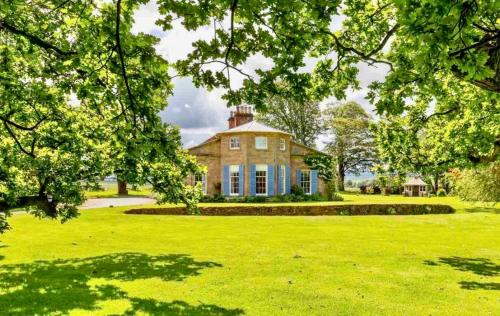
point(314, 181)
point(225, 181)
point(270, 180)
point(242, 179)
point(299, 177)
point(252, 180)
point(279, 177)
point(288, 180)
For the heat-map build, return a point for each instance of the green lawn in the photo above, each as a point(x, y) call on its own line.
point(106, 262)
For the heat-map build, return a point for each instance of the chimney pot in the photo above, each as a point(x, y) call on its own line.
point(242, 115)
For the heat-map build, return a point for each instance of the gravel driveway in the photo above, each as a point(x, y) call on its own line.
point(120, 201)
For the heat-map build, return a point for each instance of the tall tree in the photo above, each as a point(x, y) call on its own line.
point(80, 96)
point(301, 119)
point(419, 43)
point(348, 126)
point(460, 132)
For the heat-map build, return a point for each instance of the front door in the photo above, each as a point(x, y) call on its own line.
point(414, 190)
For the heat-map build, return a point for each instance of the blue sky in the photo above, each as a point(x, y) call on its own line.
point(200, 113)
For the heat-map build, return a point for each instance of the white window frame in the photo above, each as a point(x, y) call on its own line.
point(261, 168)
point(234, 169)
point(302, 180)
point(282, 144)
point(422, 188)
point(236, 140)
point(203, 182)
point(260, 141)
point(283, 179)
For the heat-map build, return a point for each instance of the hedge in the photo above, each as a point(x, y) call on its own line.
point(312, 210)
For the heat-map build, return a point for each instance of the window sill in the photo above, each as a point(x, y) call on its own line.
point(235, 148)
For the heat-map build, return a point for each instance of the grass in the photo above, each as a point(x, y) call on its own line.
point(106, 262)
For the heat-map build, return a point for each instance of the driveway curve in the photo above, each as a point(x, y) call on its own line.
point(118, 201)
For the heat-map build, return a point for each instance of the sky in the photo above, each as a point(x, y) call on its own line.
point(200, 113)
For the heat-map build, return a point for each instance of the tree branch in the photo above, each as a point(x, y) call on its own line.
point(40, 201)
point(485, 40)
point(122, 59)
point(34, 39)
point(11, 133)
point(231, 42)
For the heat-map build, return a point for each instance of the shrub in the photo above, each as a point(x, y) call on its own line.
point(396, 190)
point(335, 197)
point(314, 197)
point(297, 190)
point(330, 190)
point(255, 199)
point(376, 190)
point(441, 192)
point(216, 198)
point(363, 189)
point(480, 184)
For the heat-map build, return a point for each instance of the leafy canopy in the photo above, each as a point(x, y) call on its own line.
point(433, 51)
point(350, 138)
point(301, 119)
point(80, 96)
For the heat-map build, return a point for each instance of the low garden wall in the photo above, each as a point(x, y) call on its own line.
point(308, 210)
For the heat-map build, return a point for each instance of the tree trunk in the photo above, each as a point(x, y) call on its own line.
point(122, 187)
point(436, 183)
point(341, 172)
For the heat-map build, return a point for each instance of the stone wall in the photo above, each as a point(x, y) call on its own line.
point(303, 210)
point(209, 156)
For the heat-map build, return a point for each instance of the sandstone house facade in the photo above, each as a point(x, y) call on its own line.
point(252, 159)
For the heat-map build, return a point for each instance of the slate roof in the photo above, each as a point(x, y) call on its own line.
point(253, 126)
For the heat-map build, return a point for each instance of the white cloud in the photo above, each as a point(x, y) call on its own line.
point(200, 113)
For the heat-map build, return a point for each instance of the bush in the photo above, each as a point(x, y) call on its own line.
point(216, 198)
point(396, 190)
point(376, 190)
point(314, 197)
point(330, 189)
point(480, 184)
point(297, 190)
point(335, 197)
point(363, 189)
point(254, 199)
point(441, 192)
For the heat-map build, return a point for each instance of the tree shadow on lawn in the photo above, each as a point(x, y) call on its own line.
point(480, 266)
point(59, 286)
point(482, 209)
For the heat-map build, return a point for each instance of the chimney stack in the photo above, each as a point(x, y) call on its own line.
point(242, 115)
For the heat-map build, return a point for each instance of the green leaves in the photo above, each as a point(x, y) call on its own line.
point(80, 102)
point(323, 163)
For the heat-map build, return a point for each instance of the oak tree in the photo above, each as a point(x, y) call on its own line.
point(80, 96)
point(301, 119)
point(350, 140)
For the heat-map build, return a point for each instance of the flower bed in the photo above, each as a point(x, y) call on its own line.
point(303, 210)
